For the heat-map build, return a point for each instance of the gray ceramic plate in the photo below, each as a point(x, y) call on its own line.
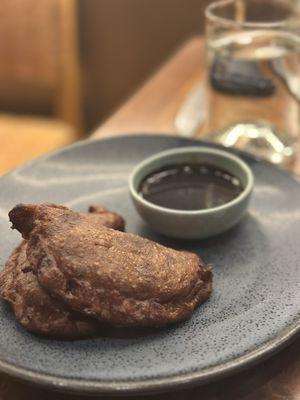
point(254, 309)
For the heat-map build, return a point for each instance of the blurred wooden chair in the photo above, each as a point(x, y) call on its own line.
point(39, 75)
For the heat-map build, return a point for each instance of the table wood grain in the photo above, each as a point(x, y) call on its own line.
point(152, 109)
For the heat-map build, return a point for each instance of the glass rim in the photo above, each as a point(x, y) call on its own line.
point(210, 15)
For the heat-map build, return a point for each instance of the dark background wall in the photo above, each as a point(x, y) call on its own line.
point(123, 41)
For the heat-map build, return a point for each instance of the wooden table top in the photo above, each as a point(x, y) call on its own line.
point(152, 109)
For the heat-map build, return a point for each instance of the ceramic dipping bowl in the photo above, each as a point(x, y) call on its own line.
point(192, 224)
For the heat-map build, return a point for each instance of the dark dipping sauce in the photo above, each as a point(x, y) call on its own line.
point(190, 186)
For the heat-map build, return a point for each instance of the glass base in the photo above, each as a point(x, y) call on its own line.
point(259, 139)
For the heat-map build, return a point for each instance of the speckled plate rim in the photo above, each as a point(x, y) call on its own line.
point(155, 385)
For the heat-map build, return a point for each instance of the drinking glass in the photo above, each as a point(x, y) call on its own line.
point(253, 76)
